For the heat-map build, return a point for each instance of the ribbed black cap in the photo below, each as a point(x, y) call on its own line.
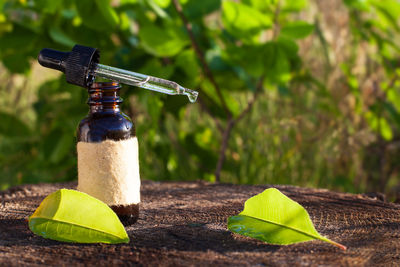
point(77, 64)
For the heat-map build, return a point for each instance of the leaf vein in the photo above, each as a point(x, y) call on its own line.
point(286, 226)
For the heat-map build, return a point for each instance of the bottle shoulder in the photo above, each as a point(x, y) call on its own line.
point(98, 127)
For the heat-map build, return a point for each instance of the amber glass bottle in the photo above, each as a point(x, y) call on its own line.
point(108, 166)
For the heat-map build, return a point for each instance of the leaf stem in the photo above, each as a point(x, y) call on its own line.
point(335, 243)
point(276, 28)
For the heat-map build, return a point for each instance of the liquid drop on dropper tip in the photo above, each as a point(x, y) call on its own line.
point(192, 99)
point(192, 95)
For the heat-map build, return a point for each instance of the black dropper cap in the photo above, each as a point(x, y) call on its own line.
point(77, 64)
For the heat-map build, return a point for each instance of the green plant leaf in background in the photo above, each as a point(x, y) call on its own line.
point(297, 29)
point(73, 216)
point(91, 12)
point(294, 5)
point(163, 3)
point(195, 9)
point(162, 42)
point(379, 124)
point(58, 36)
point(244, 21)
point(276, 219)
point(11, 125)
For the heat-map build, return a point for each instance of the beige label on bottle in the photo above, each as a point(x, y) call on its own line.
point(109, 171)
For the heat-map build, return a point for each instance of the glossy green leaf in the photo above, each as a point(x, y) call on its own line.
point(244, 21)
point(297, 30)
point(294, 5)
point(276, 219)
point(73, 216)
point(127, 2)
point(387, 12)
point(163, 3)
point(163, 42)
point(357, 4)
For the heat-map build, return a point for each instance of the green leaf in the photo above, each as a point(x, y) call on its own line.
point(20, 39)
point(163, 3)
point(73, 216)
point(294, 5)
point(277, 64)
point(380, 125)
point(155, 68)
point(158, 9)
point(357, 4)
point(231, 102)
point(243, 21)
point(240, 56)
point(17, 63)
point(387, 12)
point(97, 15)
point(162, 42)
point(186, 60)
point(290, 47)
point(262, 5)
point(155, 106)
point(65, 144)
point(195, 9)
point(127, 2)
point(393, 113)
point(276, 219)
point(60, 37)
point(394, 98)
point(108, 13)
point(297, 30)
point(12, 126)
point(49, 6)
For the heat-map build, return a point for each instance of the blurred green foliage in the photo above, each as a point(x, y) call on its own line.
point(298, 130)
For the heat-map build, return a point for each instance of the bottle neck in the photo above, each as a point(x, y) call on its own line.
point(104, 97)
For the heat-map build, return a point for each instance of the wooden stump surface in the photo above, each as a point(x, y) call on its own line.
point(183, 224)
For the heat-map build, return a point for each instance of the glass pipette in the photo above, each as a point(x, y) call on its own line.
point(143, 81)
point(81, 66)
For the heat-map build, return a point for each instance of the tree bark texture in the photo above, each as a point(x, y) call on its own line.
point(184, 223)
